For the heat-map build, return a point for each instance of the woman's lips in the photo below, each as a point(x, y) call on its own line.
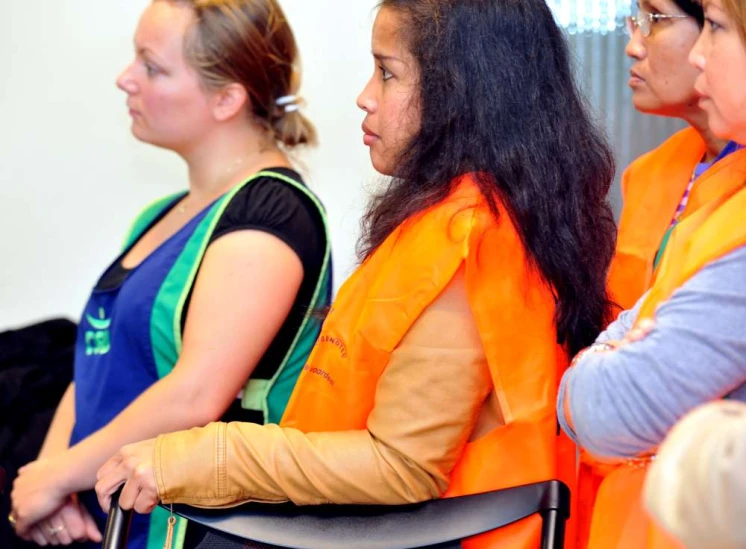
point(368, 136)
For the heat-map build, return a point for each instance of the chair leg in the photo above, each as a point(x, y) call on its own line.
point(552, 530)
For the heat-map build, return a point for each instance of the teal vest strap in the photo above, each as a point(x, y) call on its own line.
point(147, 216)
point(273, 395)
point(268, 396)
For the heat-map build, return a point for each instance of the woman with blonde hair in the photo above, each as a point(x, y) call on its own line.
point(214, 292)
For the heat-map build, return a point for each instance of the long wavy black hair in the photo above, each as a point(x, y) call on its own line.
point(498, 97)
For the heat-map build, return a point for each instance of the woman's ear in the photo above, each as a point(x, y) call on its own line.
point(230, 101)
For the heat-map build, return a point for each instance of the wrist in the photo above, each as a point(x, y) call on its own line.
point(64, 472)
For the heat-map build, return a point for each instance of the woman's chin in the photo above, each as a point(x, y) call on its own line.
point(381, 165)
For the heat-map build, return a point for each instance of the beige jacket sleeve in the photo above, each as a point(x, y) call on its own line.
point(696, 488)
point(428, 401)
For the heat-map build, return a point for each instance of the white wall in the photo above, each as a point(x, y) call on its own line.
point(71, 175)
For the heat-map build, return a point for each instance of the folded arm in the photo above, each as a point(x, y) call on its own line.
point(624, 402)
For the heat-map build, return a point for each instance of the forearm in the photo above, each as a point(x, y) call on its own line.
point(58, 435)
point(620, 405)
point(207, 377)
point(428, 400)
point(168, 405)
point(279, 464)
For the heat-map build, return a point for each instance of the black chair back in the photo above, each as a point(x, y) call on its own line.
point(440, 523)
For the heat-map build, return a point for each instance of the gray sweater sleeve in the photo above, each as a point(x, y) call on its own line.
point(619, 328)
point(624, 402)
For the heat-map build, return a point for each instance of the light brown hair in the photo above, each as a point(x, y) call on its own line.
point(736, 10)
point(250, 42)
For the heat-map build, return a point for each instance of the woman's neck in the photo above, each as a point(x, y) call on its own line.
point(223, 161)
point(713, 144)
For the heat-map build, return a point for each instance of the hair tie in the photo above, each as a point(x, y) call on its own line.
point(289, 102)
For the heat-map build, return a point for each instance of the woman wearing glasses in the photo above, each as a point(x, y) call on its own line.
point(666, 185)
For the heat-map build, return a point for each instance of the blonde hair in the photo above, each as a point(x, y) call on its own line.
point(736, 10)
point(250, 42)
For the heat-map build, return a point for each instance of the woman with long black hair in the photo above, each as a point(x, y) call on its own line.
point(484, 268)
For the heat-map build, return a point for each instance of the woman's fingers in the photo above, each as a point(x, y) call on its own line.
point(37, 536)
point(91, 528)
point(74, 526)
point(146, 501)
point(130, 492)
point(113, 463)
point(107, 485)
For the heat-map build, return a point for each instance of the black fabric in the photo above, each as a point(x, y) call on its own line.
point(36, 365)
point(113, 278)
point(236, 413)
point(273, 206)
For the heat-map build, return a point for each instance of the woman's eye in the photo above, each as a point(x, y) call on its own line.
point(712, 24)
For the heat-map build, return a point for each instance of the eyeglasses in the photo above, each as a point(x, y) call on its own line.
point(645, 21)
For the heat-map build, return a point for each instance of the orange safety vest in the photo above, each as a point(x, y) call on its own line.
point(652, 187)
point(705, 236)
point(513, 309)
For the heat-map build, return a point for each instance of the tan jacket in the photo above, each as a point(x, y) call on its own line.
point(433, 397)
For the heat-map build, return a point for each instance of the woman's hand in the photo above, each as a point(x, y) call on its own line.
point(38, 492)
point(638, 332)
point(133, 467)
point(71, 523)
